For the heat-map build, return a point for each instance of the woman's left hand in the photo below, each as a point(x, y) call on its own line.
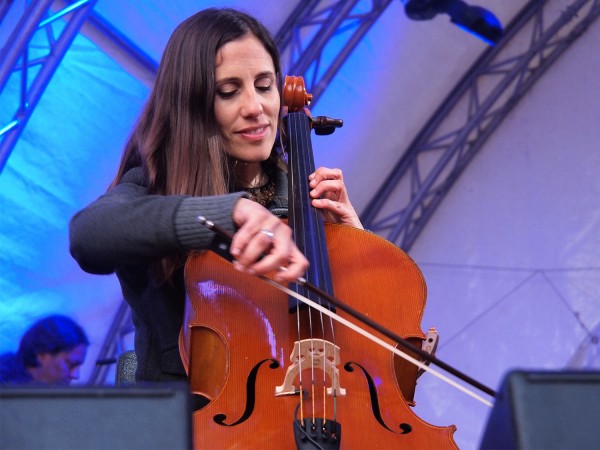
point(329, 194)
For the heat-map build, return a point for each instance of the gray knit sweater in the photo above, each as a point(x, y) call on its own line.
point(125, 231)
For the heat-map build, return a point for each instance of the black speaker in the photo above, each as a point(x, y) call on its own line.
point(545, 410)
point(153, 417)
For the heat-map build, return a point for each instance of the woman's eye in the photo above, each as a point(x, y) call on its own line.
point(263, 88)
point(226, 94)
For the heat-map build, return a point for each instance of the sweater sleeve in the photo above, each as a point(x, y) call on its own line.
point(127, 225)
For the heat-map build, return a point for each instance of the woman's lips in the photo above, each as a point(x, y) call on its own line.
point(254, 133)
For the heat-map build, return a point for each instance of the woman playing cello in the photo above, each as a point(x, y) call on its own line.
point(204, 144)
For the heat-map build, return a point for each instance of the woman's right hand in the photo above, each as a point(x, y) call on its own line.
point(264, 243)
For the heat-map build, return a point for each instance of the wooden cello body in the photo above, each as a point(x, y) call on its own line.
point(288, 378)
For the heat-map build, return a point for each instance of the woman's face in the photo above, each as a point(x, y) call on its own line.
point(247, 101)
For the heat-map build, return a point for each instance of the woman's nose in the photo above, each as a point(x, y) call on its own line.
point(252, 105)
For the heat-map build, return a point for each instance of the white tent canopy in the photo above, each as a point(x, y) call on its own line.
point(510, 257)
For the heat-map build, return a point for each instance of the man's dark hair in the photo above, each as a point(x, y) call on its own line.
point(53, 334)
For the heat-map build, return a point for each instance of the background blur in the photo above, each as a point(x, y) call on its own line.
point(511, 251)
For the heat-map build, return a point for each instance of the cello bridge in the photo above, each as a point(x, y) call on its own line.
point(312, 354)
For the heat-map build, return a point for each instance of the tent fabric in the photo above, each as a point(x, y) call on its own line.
point(510, 258)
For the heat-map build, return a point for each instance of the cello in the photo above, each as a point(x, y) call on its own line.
point(278, 374)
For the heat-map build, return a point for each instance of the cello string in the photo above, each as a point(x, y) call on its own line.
point(377, 340)
point(291, 152)
point(299, 341)
point(226, 235)
point(293, 118)
point(300, 385)
point(309, 154)
point(302, 162)
point(325, 267)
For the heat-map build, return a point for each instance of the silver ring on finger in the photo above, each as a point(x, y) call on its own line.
point(267, 233)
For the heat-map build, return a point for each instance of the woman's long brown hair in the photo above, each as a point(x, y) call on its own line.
point(176, 139)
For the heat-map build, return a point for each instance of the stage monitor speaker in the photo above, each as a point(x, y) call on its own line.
point(153, 417)
point(545, 410)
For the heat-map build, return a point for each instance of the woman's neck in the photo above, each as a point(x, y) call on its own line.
point(251, 175)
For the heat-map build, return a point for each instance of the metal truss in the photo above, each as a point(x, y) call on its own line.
point(20, 59)
point(4, 7)
point(314, 42)
point(482, 99)
point(114, 344)
point(315, 30)
point(319, 36)
point(116, 45)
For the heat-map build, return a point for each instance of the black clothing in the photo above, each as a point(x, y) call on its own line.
point(126, 230)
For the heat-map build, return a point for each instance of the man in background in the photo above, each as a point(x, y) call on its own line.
point(51, 352)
